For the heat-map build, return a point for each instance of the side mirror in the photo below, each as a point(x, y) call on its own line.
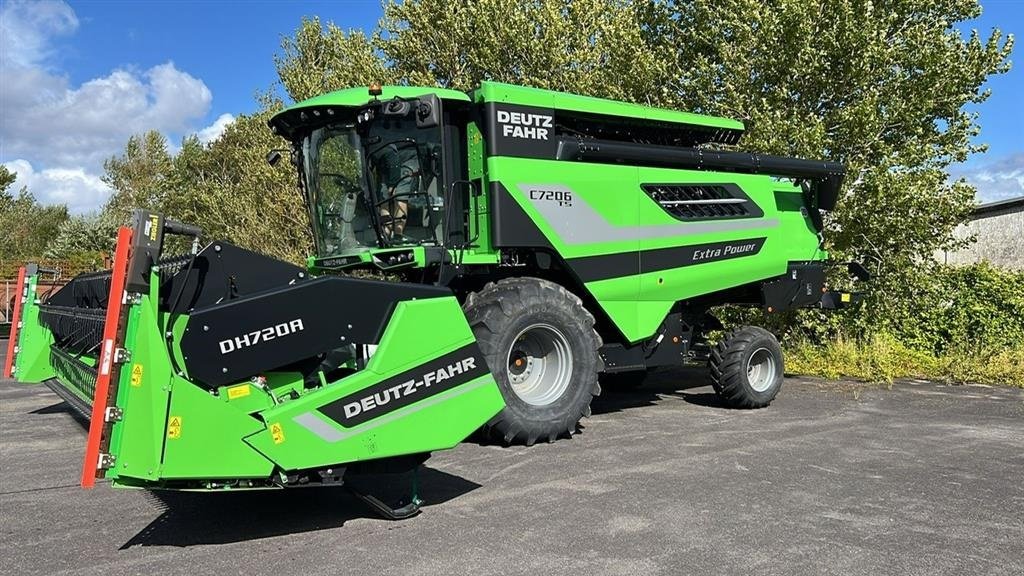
point(273, 157)
point(428, 111)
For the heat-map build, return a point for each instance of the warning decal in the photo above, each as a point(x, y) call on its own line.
point(136, 380)
point(277, 432)
point(240, 391)
point(174, 427)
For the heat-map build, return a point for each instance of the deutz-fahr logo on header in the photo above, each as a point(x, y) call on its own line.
point(524, 125)
point(441, 374)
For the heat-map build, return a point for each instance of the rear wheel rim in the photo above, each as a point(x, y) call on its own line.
point(761, 369)
point(539, 364)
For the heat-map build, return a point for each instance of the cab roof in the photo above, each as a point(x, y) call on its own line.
point(293, 118)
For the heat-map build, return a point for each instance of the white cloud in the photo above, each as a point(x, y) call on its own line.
point(43, 117)
point(996, 179)
point(63, 133)
point(26, 30)
point(76, 188)
point(214, 131)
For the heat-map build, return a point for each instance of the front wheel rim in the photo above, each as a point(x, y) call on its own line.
point(761, 369)
point(539, 364)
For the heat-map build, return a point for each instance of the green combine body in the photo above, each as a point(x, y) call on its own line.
point(535, 243)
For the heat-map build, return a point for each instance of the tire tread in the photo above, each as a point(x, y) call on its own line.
point(727, 371)
point(489, 310)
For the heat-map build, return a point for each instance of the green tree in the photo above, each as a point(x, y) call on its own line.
point(610, 48)
point(320, 59)
point(27, 225)
point(7, 178)
point(226, 187)
point(85, 238)
point(880, 86)
point(607, 48)
point(139, 176)
point(229, 189)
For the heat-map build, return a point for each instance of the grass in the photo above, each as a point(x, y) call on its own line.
point(884, 359)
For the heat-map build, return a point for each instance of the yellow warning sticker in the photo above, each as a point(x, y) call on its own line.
point(240, 391)
point(277, 432)
point(174, 427)
point(154, 229)
point(845, 297)
point(136, 380)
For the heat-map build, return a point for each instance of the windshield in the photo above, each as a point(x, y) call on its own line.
point(376, 183)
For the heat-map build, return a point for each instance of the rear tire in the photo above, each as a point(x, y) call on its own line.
point(746, 368)
point(540, 344)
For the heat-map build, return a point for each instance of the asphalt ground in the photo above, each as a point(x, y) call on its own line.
point(833, 478)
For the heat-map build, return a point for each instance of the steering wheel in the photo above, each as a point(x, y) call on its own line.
point(349, 188)
point(341, 181)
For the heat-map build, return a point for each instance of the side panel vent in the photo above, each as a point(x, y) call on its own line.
point(689, 202)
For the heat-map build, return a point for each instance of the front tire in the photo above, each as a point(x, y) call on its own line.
point(540, 344)
point(746, 368)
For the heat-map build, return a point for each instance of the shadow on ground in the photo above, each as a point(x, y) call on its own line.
point(635, 390)
point(195, 518)
point(679, 382)
point(63, 408)
point(201, 518)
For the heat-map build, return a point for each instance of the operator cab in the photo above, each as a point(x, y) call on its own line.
point(376, 175)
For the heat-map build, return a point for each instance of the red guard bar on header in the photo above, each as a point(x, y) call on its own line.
point(13, 341)
point(90, 466)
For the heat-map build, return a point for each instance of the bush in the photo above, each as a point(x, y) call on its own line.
point(957, 308)
point(883, 358)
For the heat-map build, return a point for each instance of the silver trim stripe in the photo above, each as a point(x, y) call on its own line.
point(702, 202)
point(579, 223)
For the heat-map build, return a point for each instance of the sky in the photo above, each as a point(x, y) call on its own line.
point(78, 78)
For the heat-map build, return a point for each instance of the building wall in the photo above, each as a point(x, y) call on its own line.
point(1000, 239)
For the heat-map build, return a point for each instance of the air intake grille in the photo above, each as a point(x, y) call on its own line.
point(702, 202)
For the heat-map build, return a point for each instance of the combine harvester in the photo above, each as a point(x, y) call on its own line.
point(541, 239)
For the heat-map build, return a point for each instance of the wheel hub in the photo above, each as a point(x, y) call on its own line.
point(761, 369)
point(539, 364)
point(519, 366)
